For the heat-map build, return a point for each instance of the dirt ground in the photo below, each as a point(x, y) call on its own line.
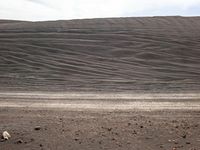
point(50, 129)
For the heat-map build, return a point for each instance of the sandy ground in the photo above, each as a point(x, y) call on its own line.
point(35, 124)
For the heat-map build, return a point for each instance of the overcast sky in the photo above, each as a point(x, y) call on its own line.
point(38, 10)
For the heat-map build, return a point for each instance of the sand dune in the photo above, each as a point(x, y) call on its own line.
point(155, 54)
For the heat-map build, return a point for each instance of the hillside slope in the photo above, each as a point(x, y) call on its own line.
point(155, 54)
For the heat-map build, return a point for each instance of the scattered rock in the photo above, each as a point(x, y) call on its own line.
point(119, 145)
point(188, 143)
point(37, 128)
point(184, 136)
point(134, 132)
point(141, 127)
point(20, 141)
point(175, 142)
point(161, 146)
point(41, 145)
point(32, 140)
point(179, 146)
point(116, 133)
point(109, 129)
point(128, 142)
point(5, 135)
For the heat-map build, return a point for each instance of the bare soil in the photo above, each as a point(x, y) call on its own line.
point(53, 129)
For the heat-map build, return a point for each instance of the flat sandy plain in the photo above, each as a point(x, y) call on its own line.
point(123, 83)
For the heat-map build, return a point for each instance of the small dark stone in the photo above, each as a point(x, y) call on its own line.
point(184, 136)
point(188, 143)
point(19, 141)
point(175, 142)
point(76, 134)
point(141, 126)
point(109, 129)
point(76, 139)
point(134, 132)
point(32, 139)
point(129, 124)
point(119, 145)
point(37, 128)
point(41, 145)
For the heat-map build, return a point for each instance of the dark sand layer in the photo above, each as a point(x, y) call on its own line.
point(95, 130)
point(158, 54)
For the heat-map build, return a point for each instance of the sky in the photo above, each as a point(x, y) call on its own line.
point(42, 10)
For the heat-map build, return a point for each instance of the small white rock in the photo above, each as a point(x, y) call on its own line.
point(6, 135)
